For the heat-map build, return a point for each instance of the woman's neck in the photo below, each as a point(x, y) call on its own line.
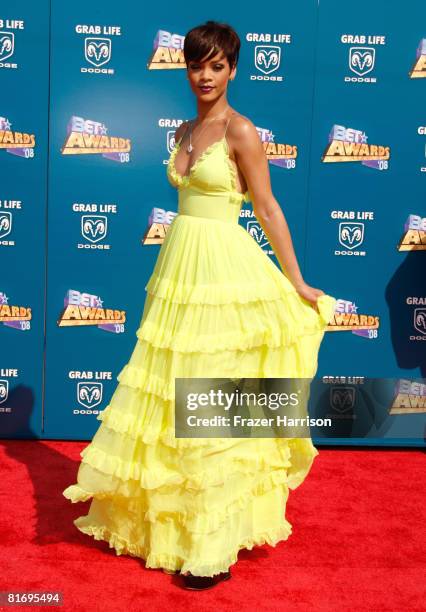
point(210, 110)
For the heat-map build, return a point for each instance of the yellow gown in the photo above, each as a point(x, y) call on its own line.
point(216, 306)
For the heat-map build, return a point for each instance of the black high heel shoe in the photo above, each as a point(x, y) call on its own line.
point(200, 583)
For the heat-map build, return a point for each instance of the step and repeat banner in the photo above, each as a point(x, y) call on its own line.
point(91, 99)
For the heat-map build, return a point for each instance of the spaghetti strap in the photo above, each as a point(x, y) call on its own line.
point(186, 129)
point(224, 134)
point(228, 122)
point(190, 121)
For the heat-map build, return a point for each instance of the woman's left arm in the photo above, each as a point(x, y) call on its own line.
point(253, 163)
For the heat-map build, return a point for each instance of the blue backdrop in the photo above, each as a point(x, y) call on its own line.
point(91, 99)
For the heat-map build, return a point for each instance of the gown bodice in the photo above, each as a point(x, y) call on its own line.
point(210, 188)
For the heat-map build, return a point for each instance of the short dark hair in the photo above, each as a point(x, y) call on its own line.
point(221, 36)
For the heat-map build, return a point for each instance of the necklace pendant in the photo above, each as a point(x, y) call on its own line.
point(189, 148)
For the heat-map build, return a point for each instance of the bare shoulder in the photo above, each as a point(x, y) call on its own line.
point(242, 131)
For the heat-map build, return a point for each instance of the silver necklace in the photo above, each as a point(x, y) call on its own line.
point(190, 148)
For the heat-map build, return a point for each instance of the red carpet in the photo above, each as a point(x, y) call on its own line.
point(357, 543)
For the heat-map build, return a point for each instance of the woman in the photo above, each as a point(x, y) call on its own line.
point(217, 307)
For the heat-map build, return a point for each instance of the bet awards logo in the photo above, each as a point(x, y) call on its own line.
point(16, 143)
point(418, 71)
point(168, 52)
point(410, 397)
point(280, 154)
point(13, 315)
point(159, 223)
point(88, 137)
point(84, 309)
point(347, 318)
point(414, 236)
point(350, 145)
